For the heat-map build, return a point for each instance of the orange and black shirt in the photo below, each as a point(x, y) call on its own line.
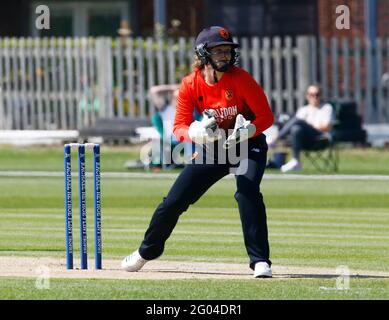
point(235, 93)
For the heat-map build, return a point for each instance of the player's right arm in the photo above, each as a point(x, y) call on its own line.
point(184, 112)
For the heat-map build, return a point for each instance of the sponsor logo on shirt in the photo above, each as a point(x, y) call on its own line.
point(229, 94)
point(226, 113)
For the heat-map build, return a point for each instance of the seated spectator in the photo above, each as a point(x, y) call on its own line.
point(310, 123)
point(164, 98)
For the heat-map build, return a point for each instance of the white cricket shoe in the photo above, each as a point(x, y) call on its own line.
point(292, 165)
point(262, 270)
point(133, 262)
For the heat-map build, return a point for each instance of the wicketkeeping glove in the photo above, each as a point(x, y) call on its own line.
point(206, 130)
point(243, 130)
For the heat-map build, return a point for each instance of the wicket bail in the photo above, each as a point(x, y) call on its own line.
point(82, 204)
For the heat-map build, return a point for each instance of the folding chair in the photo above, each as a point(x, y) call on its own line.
point(323, 154)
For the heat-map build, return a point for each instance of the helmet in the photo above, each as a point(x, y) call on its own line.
point(215, 36)
point(212, 37)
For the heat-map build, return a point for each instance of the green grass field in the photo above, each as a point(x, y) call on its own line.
point(352, 161)
point(312, 223)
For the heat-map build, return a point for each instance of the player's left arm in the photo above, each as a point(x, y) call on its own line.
point(255, 98)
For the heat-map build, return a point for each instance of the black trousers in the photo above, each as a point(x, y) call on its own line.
point(194, 181)
point(302, 135)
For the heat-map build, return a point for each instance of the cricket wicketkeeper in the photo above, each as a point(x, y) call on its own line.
point(235, 111)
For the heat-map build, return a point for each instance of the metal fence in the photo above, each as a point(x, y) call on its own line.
point(66, 83)
point(356, 69)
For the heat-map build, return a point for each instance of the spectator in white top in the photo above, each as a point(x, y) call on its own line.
point(164, 98)
point(312, 122)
